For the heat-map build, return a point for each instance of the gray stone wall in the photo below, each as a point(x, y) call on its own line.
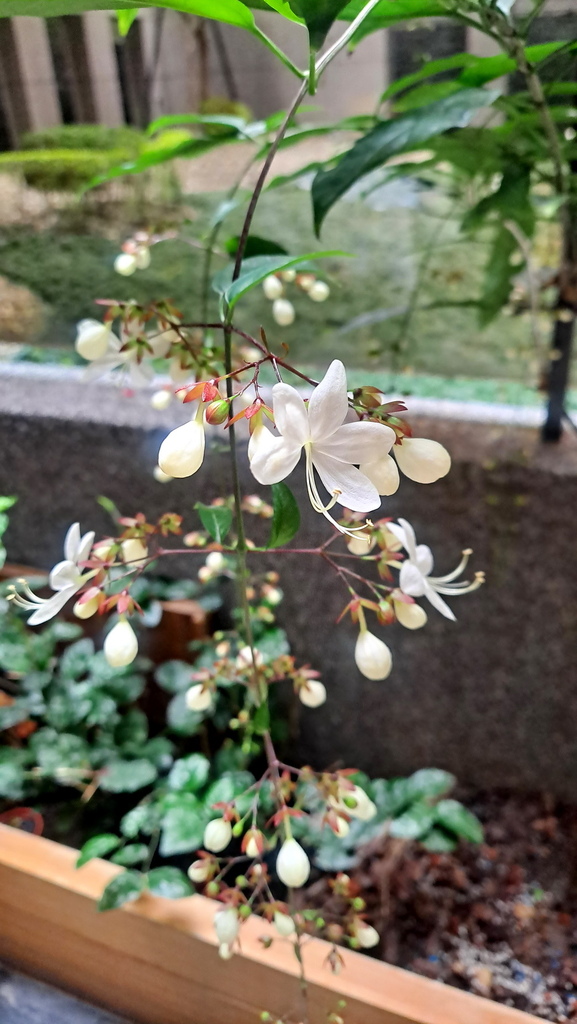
point(492, 697)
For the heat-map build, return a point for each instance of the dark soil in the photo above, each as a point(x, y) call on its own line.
point(498, 919)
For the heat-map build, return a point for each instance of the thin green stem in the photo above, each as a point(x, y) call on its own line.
point(282, 56)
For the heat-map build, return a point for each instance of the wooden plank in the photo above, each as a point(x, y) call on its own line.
point(156, 960)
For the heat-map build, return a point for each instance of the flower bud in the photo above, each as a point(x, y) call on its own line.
point(383, 474)
point(182, 452)
point(283, 312)
point(319, 291)
point(225, 951)
point(216, 561)
point(142, 257)
point(134, 552)
point(121, 645)
point(125, 264)
point(366, 935)
point(217, 835)
point(226, 925)
point(217, 412)
point(244, 658)
point(288, 275)
point(284, 924)
point(292, 864)
point(372, 656)
point(313, 693)
point(160, 476)
point(342, 828)
point(85, 609)
point(197, 698)
point(199, 871)
point(103, 550)
point(92, 339)
point(272, 287)
point(361, 543)
point(411, 616)
point(422, 460)
point(161, 400)
point(364, 809)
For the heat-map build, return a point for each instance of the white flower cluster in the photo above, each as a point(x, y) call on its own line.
point(274, 288)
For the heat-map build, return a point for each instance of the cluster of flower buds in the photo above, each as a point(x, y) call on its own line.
point(274, 288)
point(135, 255)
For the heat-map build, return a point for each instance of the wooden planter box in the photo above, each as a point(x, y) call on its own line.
point(156, 960)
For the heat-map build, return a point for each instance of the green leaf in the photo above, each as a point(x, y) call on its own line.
point(6, 502)
point(174, 676)
point(273, 643)
point(98, 846)
point(286, 519)
point(171, 883)
point(189, 773)
point(261, 719)
point(256, 269)
point(232, 12)
point(236, 124)
point(145, 817)
point(130, 855)
point(181, 719)
point(13, 714)
point(124, 20)
point(125, 888)
point(457, 819)
point(499, 274)
point(11, 780)
point(76, 660)
point(216, 519)
point(156, 156)
point(414, 823)
point(429, 782)
point(132, 730)
point(392, 137)
point(54, 751)
point(318, 16)
point(255, 246)
point(127, 776)
point(438, 841)
point(229, 786)
point(183, 825)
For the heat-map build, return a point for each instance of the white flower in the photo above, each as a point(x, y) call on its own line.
point(197, 698)
point(411, 616)
point(313, 694)
point(217, 835)
point(121, 645)
point(292, 864)
point(125, 264)
point(415, 578)
point(66, 579)
point(272, 287)
point(354, 802)
point(199, 871)
point(226, 925)
point(92, 339)
point(422, 460)
point(161, 400)
point(182, 452)
point(332, 447)
point(319, 291)
point(372, 656)
point(283, 312)
point(284, 924)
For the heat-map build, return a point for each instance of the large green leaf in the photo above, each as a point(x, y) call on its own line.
point(216, 519)
point(389, 13)
point(127, 776)
point(391, 137)
point(155, 156)
point(286, 518)
point(255, 270)
point(125, 888)
point(318, 16)
point(183, 825)
point(190, 773)
point(170, 883)
point(98, 846)
point(233, 12)
point(457, 819)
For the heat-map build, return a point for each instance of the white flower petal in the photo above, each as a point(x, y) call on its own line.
point(437, 602)
point(424, 559)
point(357, 491)
point(410, 541)
point(358, 442)
point(64, 574)
point(260, 441)
point(72, 542)
point(328, 405)
point(85, 547)
point(290, 414)
point(51, 607)
point(411, 581)
point(276, 461)
point(383, 473)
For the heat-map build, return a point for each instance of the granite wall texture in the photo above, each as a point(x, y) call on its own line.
point(492, 698)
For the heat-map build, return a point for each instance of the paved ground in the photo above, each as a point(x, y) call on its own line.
point(23, 1001)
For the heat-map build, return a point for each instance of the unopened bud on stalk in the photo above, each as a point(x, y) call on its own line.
point(217, 835)
point(288, 275)
point(366, 935)
point(125, 264)
point(226, 925)
point(197, 698)
point(306, 281)
point(121, 645)
point(134, 552)
point(217, 412)
point(272, 287)
point(284, 924)
point(313, 693)
point(372, 656)
point(411, 616)
point(319, 291)
point(361, 543)
point(161, 400)
point(199, 871)
point(92, 339)
point(292, 864)
point(182, 452)
point(142, 257)
point(283, 312)
point(85, 609)
point(422, 460)
point(384, 474)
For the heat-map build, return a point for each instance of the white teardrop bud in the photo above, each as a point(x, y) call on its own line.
point(252, 849)
point(142, 257)
point(217, 835)
point(284, 924)
point(411, 616)
point(361, 543)
point(288, 275)
point(225, 951)
point(160, 476)
point(384, 474)
point(121, 645)
point(422, 460)
point(342, 828)
point(199, 871)
point(319, 291)
point(125, 264)
point(313, 694)
point(197, 698)
point(215, 561)
point(283, 312)
point(134, 552)
point(182, 452)
point(367, 936)
point(372, 656)
point(161, 400)
point(226, 925)
point(292, 865)
point(85, 609)
point(272, 287)
point(92, 339)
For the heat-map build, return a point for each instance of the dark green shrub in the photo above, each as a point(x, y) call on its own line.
point(84, 136)
point(62, 169)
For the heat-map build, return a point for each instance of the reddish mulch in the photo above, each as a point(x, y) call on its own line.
point(498, 919)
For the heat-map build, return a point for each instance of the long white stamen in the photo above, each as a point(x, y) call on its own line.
point(460, 588)
point(456, 572)
point(317, 503)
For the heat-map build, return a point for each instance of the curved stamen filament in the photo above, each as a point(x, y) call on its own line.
point(317, 503)
point(28, 600)
point(460, 588)
point(456, 572)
